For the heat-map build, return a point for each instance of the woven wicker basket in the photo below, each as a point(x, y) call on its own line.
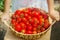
point(28, 36)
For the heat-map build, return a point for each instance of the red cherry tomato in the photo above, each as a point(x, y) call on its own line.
point(13, 21)
point(41, 21)
point(29, 27)
point(24, 19)
point(19, 19)
point(39, 17)
point(35, 20)
point(22, 24)
point(29, 17)
point(25, 27)
point(31, 21)
point(45, 15)
point(34, 29)
point(29, 32)
point(18, 28)
point(34, 32)
point(42, 29)
point(22, 15)
point(17, 16)
point(28, 10)
point(35, 25)
point(26, 15)
point(17, 12)
point(35, 13)
point(14, 16)
point(46, 24)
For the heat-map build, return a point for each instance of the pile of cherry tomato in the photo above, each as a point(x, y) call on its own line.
point(30, 21)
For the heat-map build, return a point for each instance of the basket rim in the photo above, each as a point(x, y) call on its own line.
point(31, 34)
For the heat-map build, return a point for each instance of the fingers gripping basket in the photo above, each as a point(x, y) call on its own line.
point(28, 36)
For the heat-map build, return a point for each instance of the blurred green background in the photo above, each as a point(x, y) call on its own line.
point(1, 5)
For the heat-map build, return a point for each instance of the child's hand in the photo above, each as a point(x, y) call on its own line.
point(55, 15)
point(5, 17)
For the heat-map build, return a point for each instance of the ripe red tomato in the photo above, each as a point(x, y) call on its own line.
point(35, 13)
point(24, 20)
point(35, 20)
point(34, 32)
point(17, 12)
point(39, 17)
point(14, 16)
point(39, 27)
point(29, 17)
point(35, 25)
point(18, 28)
point(42, 29)
point(31, 21)
point(27, 23)
point(17, 16)
point(34, 29)
point(29, 32)
point(29, 28)
point(28, 10)
point(46, 25)
point(41, 21)
point(13, 21)
point(45, 16)
point(26, 15)
point(19, 19)
point(25, 27)
point(46, 20)
point(22, 15)
point(22, 24)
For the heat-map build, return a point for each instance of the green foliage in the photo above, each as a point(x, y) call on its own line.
point(1, 5)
